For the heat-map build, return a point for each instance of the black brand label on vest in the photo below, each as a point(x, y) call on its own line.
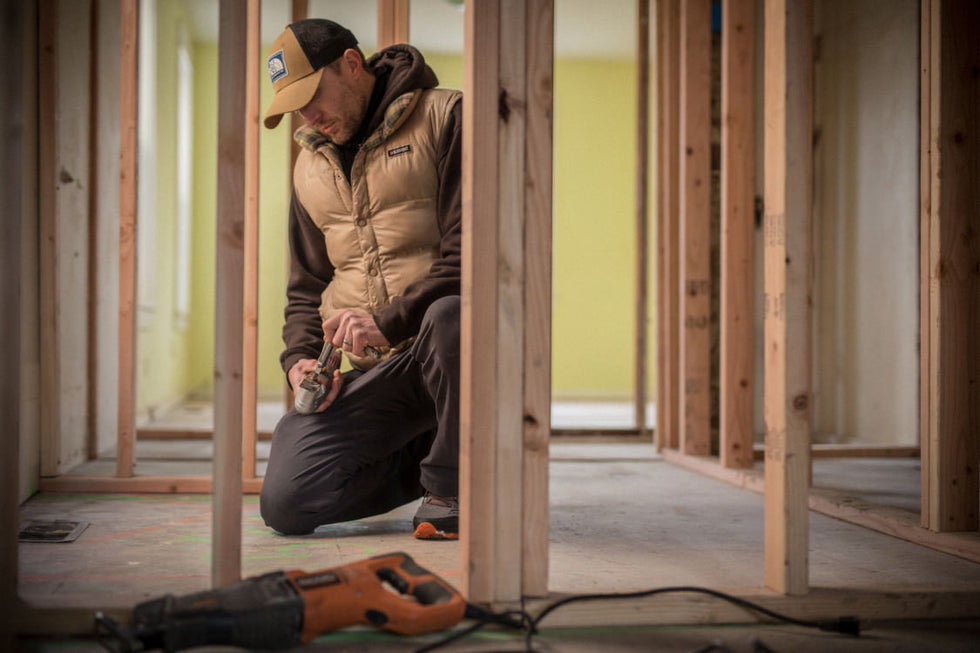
point(399, 150)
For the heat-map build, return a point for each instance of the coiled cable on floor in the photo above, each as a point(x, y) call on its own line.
point(519, 619)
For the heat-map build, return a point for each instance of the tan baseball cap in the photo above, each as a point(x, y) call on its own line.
point(296, 62)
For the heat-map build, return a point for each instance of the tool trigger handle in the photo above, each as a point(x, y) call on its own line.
point(426, 592)
point(436, 604)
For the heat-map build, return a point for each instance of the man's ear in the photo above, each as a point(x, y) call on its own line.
point(352, 60)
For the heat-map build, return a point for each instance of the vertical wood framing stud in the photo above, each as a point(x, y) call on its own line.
point(695, 226)
point(229, 295)
point(738, 232)
point(129, 92)
point(668, 400)
point(788, 287)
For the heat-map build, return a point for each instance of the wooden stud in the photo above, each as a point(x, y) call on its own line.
point(229, 303)
point(694, 220)
point(129, 92)
point(737, 228)
point(642, 212)
point(788, 286)
point(63, 179)
point(950, 271)
point(490, 472)
point(393, 19)
point(299, 10)
point(668, 118)
point(47, 223)
point(251, 239)
point(507, 75)
point(537, 293)
point(14, 183)
point(92, 384)
point(925, 249)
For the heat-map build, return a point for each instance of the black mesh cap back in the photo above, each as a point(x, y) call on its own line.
point(322, 40)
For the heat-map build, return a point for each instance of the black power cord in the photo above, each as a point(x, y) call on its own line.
point(521, 620)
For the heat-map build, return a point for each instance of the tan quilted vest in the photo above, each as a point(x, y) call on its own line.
point(381, 230)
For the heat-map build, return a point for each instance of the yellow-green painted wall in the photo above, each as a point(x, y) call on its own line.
point(163, 367)
point(594, 227)
point(594, 327)
point(273, 254)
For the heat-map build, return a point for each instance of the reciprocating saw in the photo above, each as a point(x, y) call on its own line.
point(284, 609)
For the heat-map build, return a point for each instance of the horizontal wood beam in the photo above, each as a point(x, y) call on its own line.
point(187, 434)
point(665, 609)
point(852, 451)
point(896, 522)
point(149, 484)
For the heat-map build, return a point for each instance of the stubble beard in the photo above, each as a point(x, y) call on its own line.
point(349, 120)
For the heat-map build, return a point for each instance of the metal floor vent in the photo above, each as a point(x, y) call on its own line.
point(51, 530)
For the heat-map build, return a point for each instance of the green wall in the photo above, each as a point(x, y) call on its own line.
point(163, 348)
point(594, 246)
point(594, 225)
point(594, 228)
point(273, 254)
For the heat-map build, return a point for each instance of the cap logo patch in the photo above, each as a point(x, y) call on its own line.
point(395, 151)
point(277, 66)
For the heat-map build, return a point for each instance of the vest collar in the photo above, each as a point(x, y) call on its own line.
point(398, 111)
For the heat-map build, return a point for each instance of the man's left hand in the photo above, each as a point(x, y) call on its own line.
point(352, 330)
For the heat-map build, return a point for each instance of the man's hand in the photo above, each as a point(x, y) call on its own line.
point(300, 369)
point(353, 330)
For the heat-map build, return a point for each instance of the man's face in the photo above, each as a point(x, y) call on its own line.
point(339, 104)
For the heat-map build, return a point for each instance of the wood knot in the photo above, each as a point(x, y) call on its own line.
point(503, 109)
point(800, 402)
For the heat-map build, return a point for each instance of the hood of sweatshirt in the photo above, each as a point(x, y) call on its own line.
point(398, 69)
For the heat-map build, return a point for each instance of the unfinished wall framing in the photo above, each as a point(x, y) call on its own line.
point(950, 266)
point(506, 293)
point(948, 301)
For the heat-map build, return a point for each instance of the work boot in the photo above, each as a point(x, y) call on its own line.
point(437, 518)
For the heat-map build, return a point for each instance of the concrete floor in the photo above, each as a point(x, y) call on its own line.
point(621, 520)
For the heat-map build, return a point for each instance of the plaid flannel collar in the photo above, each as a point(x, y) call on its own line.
point(397, 112)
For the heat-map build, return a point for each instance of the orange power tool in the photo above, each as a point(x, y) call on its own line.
point(284, 609)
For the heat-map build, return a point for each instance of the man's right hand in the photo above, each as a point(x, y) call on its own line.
point(305, 365)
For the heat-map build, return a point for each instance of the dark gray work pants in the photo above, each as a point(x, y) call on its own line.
point(391, 434)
